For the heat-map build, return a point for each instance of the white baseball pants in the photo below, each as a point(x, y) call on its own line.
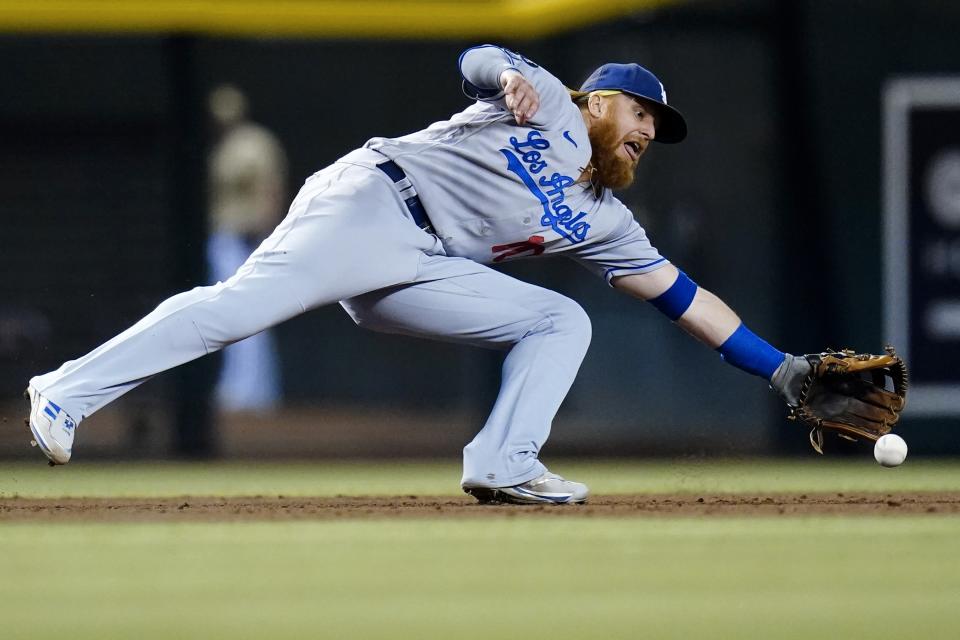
point(348, 237)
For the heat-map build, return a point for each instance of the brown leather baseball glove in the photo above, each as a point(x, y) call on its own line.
point(855, 395)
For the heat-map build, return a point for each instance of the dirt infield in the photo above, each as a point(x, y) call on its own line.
point(642, 505)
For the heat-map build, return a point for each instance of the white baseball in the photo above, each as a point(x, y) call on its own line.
point(890, 450)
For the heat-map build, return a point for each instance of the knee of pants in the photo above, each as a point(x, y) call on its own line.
point(568, 317)
point(501, 325)
point(364, 317)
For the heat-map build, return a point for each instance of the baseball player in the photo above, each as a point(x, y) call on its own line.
point(401, 232)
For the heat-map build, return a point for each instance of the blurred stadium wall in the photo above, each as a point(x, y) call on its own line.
point(773, 202)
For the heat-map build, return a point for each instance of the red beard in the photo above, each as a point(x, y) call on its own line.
point(610, 169)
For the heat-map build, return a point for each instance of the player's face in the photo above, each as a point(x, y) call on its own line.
point(619, 136)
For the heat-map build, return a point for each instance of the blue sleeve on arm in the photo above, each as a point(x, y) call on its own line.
point(677, 299)
point(746, 351)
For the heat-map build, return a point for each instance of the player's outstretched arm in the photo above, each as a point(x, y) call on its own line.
point(706, 317)
point(699, 312)
point(709, 319)
point(851, 404)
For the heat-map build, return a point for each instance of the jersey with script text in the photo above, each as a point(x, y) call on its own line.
point(496, 191)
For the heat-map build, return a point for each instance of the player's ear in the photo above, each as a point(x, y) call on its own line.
point(595, 105)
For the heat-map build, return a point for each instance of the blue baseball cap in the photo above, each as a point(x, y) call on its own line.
point(637, 81)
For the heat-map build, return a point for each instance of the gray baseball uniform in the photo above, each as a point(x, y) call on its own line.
point(493, 190)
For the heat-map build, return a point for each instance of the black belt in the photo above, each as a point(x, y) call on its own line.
point(408, 193)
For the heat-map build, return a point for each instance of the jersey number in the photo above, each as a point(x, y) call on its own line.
point(533, 246)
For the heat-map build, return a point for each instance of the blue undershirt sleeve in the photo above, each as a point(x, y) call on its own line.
point(750, 353)
point(677, 299)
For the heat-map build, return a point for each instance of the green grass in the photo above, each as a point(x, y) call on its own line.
point(503, 578)
point(497, 577)
point(330, 478)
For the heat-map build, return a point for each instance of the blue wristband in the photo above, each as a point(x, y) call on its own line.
point(746, 351)
point(677, 299)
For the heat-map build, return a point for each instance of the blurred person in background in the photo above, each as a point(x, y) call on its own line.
point(247, 174)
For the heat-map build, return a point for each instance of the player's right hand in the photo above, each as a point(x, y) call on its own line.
point(521, 98)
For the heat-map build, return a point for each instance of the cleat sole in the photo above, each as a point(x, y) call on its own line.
point(495, 496)
point(484, 495)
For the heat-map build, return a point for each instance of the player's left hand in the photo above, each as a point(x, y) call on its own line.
point(521, 98)
point(854, 395)
point(789, 377)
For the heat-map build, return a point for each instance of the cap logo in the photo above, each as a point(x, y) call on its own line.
point(663, 93)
